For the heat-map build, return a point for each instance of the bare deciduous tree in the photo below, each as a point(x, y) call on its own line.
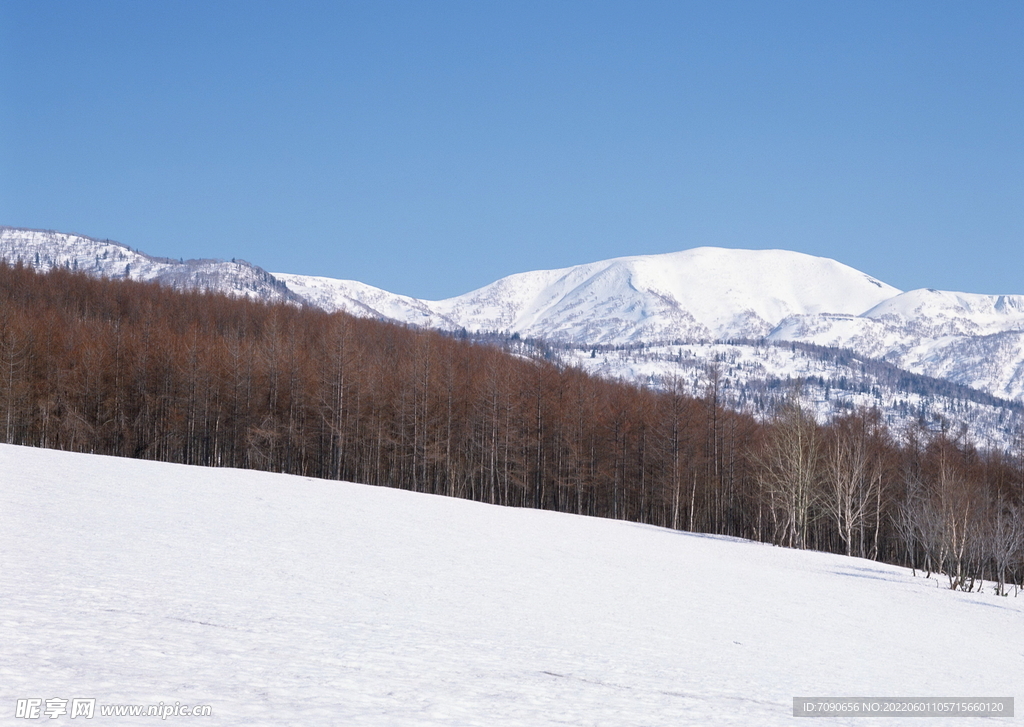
point(852, 483)
point(790, 473)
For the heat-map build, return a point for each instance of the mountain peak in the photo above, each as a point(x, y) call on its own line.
point(705, 292)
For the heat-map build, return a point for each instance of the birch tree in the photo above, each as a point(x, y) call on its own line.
point(790, 475)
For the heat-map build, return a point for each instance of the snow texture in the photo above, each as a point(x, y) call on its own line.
point(284, 600)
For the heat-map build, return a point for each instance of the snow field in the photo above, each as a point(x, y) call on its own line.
point(284, 600)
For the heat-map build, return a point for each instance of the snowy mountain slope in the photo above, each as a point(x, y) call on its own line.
point(45, 250)
point(973, 340)
point(709, 293)
point(360, 299)
point(283, 600)
point(700, 293)
point(950, 314)
point(759, 377)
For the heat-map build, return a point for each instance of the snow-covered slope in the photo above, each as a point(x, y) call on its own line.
point(45, 250)
point(283, 600)
point(970, 339)
point(941, 313)
point(360, 299)
point(709, 293)
point(759, 377)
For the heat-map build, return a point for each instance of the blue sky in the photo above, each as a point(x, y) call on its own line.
point(432, 147)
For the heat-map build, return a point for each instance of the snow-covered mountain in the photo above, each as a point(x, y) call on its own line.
point(360, 299)
point(46, 250)
point(706, 293)
point(654, 319)
point(970, 339)
point(712, 295)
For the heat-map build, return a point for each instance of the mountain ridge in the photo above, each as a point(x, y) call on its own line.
point(672, 295)
point(647, 306)
point(48, 249)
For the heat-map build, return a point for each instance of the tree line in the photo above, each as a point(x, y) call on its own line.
point(140, 370)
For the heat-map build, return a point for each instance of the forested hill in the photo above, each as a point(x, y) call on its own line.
point(140, 370)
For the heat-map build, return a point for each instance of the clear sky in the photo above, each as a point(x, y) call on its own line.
point(431, 147)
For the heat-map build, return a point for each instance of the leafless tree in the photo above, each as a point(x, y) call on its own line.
point(852, 483)
point(790, 473)
point(1004, 537)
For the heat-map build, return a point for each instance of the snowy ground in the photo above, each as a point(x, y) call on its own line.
point(281, 600)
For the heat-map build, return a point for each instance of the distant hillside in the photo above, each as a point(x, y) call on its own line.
point(46, 250)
